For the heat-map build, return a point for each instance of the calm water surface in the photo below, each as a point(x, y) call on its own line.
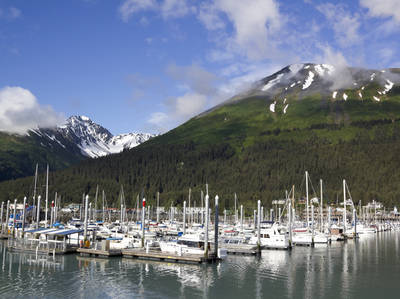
point(367, 268)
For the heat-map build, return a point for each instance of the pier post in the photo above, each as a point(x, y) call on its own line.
point(241, 219)
point(206, 228)
point(7, 216)
point(254, 219)
point(224, 216)
point(14, 217)
point(259, 226)
point(262, 213)
point(38, 212)
point(184, 217)
point(216, 231)
point(189, 215)
point(85, 220)
point(290, 212)
point(52, 213)
point(90, 212)
point(158, 205)
point(321, 209)
point(47, 194)
point(307, 201)
point(45, 213)
point(236, 211)
point(143, 217)
point(279, 216)
point(312, 223)
point(202, 207)
point(55, 207)
point(355, 223)
point(23, 218)
point(329, 220)
point(344, 207)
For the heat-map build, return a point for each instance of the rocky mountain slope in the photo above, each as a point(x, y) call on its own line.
point(74, 141)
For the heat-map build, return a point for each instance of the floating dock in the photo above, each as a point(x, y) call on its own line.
point(169, 257)
point(3, 237)
point(237, 251)
point(98, 253)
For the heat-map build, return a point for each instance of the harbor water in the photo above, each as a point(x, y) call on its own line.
point(366, 268)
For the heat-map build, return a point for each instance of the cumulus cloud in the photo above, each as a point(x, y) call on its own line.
point(174, 8)
point(20, 111)
point(209, 16)
point(254, 22)
point(195, 77)
point(345, 25)
point(382, 8)
point(129, 7)
point(179, 109)
point(341, 77)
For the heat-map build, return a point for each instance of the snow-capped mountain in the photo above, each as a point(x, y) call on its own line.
point(96, 141)
point(298, 81)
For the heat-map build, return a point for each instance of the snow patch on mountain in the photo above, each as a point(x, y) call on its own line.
point(272, 82)
point(309, 80)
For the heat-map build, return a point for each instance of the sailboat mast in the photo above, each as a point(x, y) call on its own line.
point(344, 206)
point(47, 195)
point(307, 202)
point(321, 208)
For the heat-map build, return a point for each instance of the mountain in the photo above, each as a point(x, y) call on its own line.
point(334, 122)
point(62, 146)
point(95, 141)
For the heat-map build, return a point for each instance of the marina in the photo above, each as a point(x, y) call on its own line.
point(356, 268)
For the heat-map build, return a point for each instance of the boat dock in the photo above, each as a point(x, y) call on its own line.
point(98, 252)
point(168, 257)
point(237, 251)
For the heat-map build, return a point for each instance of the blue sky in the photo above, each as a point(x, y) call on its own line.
point(149, 65)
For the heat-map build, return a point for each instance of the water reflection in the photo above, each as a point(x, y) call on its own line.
point(350, 269)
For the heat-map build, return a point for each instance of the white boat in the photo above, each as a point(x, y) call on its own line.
point(186, 244)
point(321, 238)
point(272, 237)
point(302, 238)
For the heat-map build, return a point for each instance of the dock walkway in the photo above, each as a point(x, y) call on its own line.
point(168, 257)
point(98, 253)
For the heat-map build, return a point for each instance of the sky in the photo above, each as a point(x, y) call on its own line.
point(150, 65)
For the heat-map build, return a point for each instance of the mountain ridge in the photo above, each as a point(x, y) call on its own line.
point(77, 139)
point(257, 151)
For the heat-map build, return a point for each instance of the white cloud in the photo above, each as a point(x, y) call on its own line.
point(20, 111)
point(189, 105)
point(341, 76)
point(382, 8)
point(209, 16)
point(195, 77)
point(167, 8)
point(254, 22)
point(11, 13)
point(174, 8)
point(129, 7)
point(345, 25)
point(179, 109)
point(158, 118)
